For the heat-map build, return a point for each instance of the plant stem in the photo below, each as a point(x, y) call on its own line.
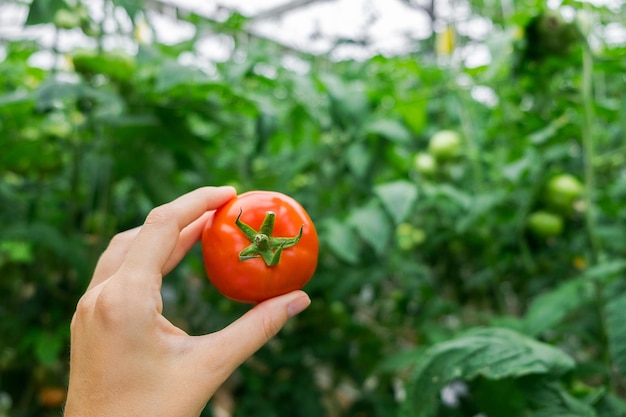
point(588, 150)
point(589, 198)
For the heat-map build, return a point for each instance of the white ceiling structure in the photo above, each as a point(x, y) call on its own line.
point(312, 26)
point(315, 26)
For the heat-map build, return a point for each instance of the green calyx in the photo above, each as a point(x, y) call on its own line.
point(262, 243)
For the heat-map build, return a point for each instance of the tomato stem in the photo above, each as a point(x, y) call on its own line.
point(262, 243)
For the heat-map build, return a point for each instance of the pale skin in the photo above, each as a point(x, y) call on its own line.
point(126, 358)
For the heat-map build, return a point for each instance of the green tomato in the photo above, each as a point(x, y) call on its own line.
point(408, 236)
point(562, 190)
point(445, 145)
point(65, 19)
point(425, 164)
point(545, 224)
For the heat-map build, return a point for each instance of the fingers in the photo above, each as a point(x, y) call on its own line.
point(244, 337)
point(189, 236)
point(169, 231)
point(112, 257)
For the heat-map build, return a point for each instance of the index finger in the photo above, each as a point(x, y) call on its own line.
point(161, 230)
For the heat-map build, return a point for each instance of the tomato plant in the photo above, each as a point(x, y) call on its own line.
point(260, 245)
point(427, 234)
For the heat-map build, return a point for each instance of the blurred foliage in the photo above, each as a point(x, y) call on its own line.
point(455, 279)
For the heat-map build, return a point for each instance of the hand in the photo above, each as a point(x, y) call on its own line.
point(126, 358)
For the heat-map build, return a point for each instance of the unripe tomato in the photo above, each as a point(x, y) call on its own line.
point(66, 19)
point(425, 163)
point(562, 190)
point(409, 236)
point(545, 224)
point(445, 144)
point(259, 245)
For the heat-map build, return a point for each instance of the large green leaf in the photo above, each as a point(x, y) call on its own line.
point(389, 129)
point(172, 74)
point(609, 405)
point(342, 240)
point(358, 159)
point(373, 226)
point(15, 97)
point(548, 398)
point(398, 198)
point(349, 105)
point(551, 308)
point(413, 113)
point(43, 11)
point(493, 353)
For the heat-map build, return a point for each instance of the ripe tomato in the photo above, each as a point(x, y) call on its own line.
point(249, 259)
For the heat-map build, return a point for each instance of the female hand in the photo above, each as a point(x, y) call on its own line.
point(126, 358)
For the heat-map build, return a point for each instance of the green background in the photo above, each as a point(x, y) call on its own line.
point(439, 290)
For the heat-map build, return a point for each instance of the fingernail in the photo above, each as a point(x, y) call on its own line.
point(229, 188)
point(298, 305)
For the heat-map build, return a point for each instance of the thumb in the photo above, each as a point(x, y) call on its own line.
point(250, 332)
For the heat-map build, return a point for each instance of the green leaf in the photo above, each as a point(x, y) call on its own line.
point(73, 251)
point(349, 105)
point(359, 159)
point(48, 346)
point(414, 114)
point(16, 251)
point(389, 129)
point(550, 308)
point(342, 240)
point(400, 361)
point(448, 193)
point(398, 198)
point(616, 324)
point(515, 170)
point(15, 98)
point(609, 405)
point(492, 353)
point(606, 271)
point(172, 74)
point(548, 398)
point(549, 131)
point(372, 225)
point(43, 11)
point(482, 205)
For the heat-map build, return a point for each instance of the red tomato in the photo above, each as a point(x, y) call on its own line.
point(238, 258)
